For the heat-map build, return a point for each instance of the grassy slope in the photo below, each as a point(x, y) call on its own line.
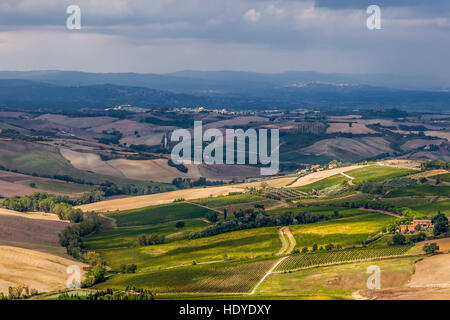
point(159, 214)
point(378, 173)
point(324, 183)
point(237, 244)
point(336, 282)
point(59, 186)
point(126, 237)
point(229, 200)
point(345, 231)
point(419, 190)
point(29, 157)
point(325, 210)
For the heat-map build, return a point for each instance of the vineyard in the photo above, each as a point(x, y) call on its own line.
point(232, 277)
point(284, 194)
point(307, 260)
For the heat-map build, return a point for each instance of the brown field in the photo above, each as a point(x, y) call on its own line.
point(417, 143)
point(82, 123)
point(355, 148)
point(236, 121)
point(431, 281)
point(160, 198)
point(32, 228)
point(402, 163)
point(30, 253)
point(444, 244)
point(316, 176)
point(10, 189)
point(187, 194)
point(427, 174)
point(156, 170)
point(356, 128)
point(439, 134)
point(38, 270)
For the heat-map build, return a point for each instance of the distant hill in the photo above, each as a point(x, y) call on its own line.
point(31, 94)
point(63, 90)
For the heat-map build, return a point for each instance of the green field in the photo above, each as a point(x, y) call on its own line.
point(318, 209)
point(126, 237)
point(242, 244)
point(324, 183)
point(159, 214)
point(345, 231)
point(229, 200)
point(419, 190)
point(231, 277)
point(378, 173)
point(304, 260)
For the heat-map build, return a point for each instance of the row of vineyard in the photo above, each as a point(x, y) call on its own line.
point(283, 194)
point(224, 277)
point(305, 260)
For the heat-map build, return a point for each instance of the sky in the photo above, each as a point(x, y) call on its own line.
point(161, 36)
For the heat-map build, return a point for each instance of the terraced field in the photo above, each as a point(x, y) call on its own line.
point(306, 260)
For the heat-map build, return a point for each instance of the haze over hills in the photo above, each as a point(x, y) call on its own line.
point(69, 90)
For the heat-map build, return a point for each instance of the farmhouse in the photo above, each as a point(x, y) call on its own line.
point(424, 224)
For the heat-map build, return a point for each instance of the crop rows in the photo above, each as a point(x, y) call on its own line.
point(225, 277)
point(300, 261)
point(283, 194)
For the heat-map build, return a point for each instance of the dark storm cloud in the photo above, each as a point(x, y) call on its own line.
point(259, 35)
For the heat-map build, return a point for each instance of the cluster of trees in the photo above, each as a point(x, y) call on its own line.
point(435, 164)
point(42, 201)
point(440, 224)
point(112, 137)
point(316, 247)
point(431, 248)
point(212, 216)
point(19, 292)
point(254, 218)
point(184, 183)
point(147, 240)
point(180, 167)
point(371, 188)
point(379, 205)
point(111, 294)
point(128, 268)
point(71, 236)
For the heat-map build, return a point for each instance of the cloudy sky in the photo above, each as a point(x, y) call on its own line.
point(158, 36)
